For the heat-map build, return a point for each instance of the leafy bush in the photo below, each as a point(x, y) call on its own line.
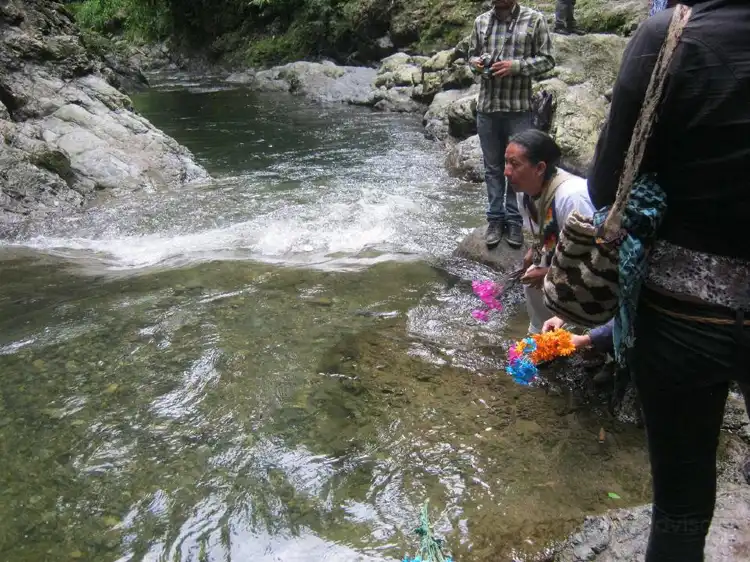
point(139, 19)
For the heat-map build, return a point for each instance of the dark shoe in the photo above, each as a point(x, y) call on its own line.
point(515, 235)
point(576, 31)
point(560, 29)
point(494, 233)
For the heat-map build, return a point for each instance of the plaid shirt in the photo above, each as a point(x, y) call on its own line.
point(523, 39)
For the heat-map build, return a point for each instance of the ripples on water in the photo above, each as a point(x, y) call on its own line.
point(280, 365)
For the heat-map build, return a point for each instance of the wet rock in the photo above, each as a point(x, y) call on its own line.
point(323, 82)
point(398, 100)
point(436, 119)
point(736, 417)
point(405, 75)
point(66, 133)
point(465, 160)
point(502, 257)
point(462, 117)
point(621, 536)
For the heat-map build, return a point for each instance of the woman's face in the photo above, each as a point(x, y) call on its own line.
point(521, 173)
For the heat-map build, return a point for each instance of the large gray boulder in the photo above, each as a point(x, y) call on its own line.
point(586, 69)
point(501, 258)
point(464, 160)
point(323, 82)
point(398, 99)
point(462, 116)
point(66, 133)
point(622, 536)
point(435, 120)
point(579, 117)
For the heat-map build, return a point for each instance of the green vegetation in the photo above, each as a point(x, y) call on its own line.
point(277, 31)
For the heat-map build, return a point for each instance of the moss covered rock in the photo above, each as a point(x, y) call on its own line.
point(610, 16)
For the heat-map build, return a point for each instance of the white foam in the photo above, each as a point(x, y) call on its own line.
point(304, 236)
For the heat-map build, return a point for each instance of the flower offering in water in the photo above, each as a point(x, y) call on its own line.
point(488, 292)
point(524, 356)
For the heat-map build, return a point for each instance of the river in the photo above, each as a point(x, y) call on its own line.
point(282, 365)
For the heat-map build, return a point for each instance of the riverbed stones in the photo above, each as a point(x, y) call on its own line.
point(66, 134)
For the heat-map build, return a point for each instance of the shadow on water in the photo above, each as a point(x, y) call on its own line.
point(244, 409)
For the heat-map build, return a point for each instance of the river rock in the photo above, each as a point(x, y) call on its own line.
point(322, 82)
point(399, 100)
point(462, 116)
point(405, 75)
point(579, 116)
point(621, 17)
point(455, 77)
point(440, 61)
point(396, 60)
point(622, 536)
point(465, 160)
point(587, 66)
point(593, 58)
point(66, 133)
point(501, 258)
point(435, 121)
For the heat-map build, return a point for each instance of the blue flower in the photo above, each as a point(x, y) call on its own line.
point(522, 370)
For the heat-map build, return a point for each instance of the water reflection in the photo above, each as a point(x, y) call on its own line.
point(177, 387)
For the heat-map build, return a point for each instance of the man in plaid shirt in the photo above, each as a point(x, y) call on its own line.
point(510, 44)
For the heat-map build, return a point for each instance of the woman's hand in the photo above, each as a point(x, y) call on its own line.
point(581, 341)
point(554, 323)
point(534, 276)
point(528, 259)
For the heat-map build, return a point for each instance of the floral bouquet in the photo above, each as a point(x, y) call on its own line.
point(527, 354)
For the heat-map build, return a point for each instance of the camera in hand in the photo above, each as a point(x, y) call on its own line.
point(487, 63)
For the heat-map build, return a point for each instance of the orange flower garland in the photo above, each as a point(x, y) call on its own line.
point(549, 345)
point(539, 348)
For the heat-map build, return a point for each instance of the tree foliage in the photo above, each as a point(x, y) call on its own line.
point(272, 31)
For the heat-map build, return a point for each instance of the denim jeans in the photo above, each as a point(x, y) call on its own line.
point(682, 370)
point(564, 14)
point(494, 131)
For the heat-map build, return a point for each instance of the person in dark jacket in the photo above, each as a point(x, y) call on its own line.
point(692, 331)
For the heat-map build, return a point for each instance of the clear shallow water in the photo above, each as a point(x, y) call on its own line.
point(280, 365)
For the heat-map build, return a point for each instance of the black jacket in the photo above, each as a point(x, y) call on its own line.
point(700, 148)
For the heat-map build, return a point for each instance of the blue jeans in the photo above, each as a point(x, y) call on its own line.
point(494, 131)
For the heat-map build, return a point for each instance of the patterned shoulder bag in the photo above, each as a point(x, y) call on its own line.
point(599, 262)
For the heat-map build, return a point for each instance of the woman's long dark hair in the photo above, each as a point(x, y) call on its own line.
point(539, 147)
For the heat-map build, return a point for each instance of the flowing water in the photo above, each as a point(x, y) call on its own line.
point(282, 365)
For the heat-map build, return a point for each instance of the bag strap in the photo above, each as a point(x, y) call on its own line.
point(643, 127)
point(547, 201)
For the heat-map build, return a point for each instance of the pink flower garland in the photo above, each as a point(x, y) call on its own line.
point(487, 291)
